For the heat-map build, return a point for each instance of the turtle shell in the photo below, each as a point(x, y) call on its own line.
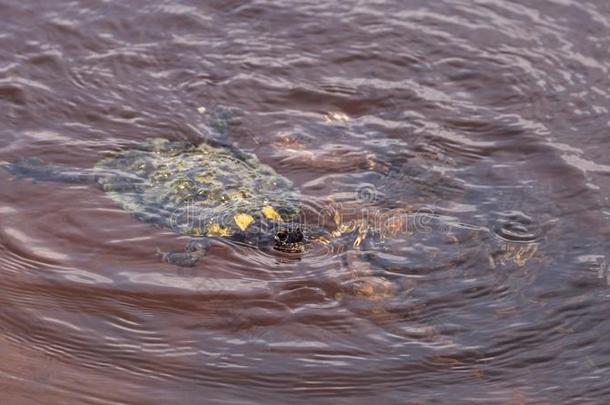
point(206, 189)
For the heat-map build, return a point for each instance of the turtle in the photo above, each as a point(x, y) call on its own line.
point(206, 190)
point(216, 190)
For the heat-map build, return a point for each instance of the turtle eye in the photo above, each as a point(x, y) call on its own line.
point(282, 236)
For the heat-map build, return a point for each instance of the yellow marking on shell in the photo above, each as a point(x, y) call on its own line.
point(337, 218)
point(196, 231)
point(370, 159)
point(323, 240)
point(347, 228)
point(362, 231)
point(238, 195)
point(217, 230)
point(366, 290)
point(204, 178)
point(524, 254)
point(453, 239)
point(243, 220)
point(270, 213)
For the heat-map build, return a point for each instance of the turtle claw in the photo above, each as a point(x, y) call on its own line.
point(198, 245)
point(181, 259)
point(194, 251)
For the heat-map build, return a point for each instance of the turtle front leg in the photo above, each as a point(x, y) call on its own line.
point(195, 250)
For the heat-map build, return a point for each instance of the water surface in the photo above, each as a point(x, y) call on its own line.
point(483, 125)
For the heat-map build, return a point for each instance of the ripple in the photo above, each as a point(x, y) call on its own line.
point(482, 125)
point(515, 226)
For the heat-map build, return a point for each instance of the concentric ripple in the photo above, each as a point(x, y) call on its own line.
point(515, 226)
point(454, 152)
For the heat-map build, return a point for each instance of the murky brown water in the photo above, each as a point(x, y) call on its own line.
point(483, 125)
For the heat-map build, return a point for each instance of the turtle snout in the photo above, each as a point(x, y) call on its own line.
point(290, 240)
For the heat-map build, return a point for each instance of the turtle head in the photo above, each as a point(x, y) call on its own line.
point(289, 239)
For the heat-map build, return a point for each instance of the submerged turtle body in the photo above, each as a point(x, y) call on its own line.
point(203, 190)
point(217, 190)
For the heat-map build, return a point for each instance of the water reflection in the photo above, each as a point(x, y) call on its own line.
point(456, 150)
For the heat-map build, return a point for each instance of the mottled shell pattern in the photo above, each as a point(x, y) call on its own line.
point(199, 190)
